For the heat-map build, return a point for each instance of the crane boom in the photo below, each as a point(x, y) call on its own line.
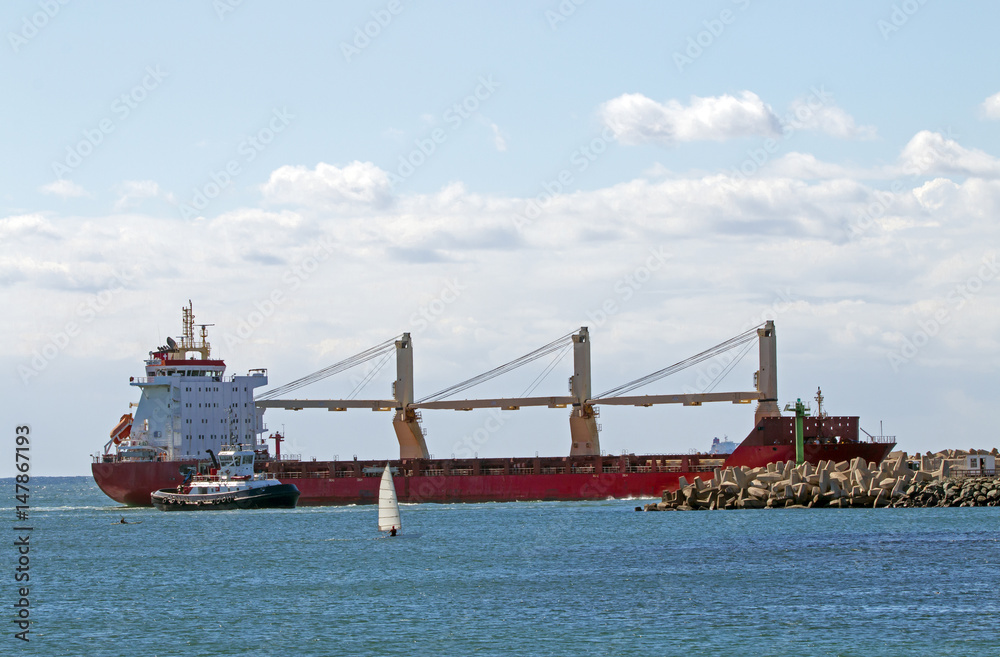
point(583, 425)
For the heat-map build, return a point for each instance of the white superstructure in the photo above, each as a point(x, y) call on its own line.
point(187, 404)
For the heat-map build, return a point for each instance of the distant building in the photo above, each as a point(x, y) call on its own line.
point(981, 463)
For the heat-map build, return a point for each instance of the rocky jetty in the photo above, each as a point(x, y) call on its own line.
point(897, 482)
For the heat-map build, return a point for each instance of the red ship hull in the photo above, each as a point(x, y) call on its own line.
point(131, 482)
point(510, 480)
point(487, 488)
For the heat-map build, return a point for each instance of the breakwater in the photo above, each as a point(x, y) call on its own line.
point(896, 482)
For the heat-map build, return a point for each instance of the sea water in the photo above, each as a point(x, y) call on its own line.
point(541, 578)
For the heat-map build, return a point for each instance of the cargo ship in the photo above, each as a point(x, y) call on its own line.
point(188, 407)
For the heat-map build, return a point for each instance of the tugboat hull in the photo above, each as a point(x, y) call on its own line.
point(281, 496)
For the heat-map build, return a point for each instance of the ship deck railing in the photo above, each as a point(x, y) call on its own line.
point(118, 458)
point(636, 469)
point(612, 468)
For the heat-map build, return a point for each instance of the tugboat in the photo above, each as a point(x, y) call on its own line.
point(230, 484)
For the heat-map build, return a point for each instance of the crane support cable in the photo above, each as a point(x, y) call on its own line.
point(371, 375)
point(731, 343)
point(551, 347)
point(548, 370)
point(729, 368)
point(362, 357)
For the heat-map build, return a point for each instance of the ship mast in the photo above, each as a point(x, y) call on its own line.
point(187, 342)
point(819, 403)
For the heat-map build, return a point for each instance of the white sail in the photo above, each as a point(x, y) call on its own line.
point(388, 505)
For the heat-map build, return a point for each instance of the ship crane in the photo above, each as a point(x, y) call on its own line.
point(583, 418)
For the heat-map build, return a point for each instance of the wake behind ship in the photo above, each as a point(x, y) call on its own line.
point(187, 407)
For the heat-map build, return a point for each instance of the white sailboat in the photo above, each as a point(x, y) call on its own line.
point(388, 505)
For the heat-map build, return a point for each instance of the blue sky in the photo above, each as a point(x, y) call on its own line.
point(833, 165)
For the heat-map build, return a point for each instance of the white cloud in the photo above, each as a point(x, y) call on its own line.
point(25, 225)
point(812, 114)
point(734, 246)
point(805, 166)
point(498, 141)
point(42, 273)
point(968, 206)
point(990, 107)
point(356, 184)
point(64, 188)
point(254, 217)
point(239, 233)
point(931, 153)
point(934, 194)
point(636, 119)
point(131, 193)
point(927, 155)
point(395, 134)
